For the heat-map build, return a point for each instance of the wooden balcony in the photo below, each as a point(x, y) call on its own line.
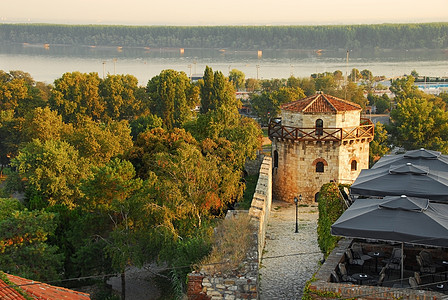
point(364, 131)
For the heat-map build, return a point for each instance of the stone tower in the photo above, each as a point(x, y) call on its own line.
point(317, 139)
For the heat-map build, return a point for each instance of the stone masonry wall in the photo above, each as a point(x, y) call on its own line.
point(296, 172)
point(243, 284)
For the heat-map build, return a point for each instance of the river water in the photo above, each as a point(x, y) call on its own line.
point(47, 63)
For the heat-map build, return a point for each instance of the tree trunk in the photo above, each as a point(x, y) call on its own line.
point(123, 285)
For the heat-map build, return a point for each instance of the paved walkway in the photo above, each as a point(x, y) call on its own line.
point(283, 273)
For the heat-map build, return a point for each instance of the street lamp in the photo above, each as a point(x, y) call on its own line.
point(296, 201)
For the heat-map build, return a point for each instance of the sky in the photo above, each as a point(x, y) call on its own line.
point(226, 12)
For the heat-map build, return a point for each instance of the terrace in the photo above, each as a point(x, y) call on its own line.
point(364, 131)
point(364, 279)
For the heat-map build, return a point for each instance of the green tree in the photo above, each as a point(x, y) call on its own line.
point(144, 123)
point(253, 85)
point(77, 94)
point(172, 97)
point(53, 170)
point(382, 104)
point(417, 123)
point(44, 124)
point(24, 246)
point(379, 146)
point(206, 90)
point(404, 88)
point(120, 93)
point(237, 78)
point(99, 142)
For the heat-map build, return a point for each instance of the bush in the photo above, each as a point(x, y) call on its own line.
point(331, 206)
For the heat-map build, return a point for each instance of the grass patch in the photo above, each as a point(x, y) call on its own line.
point(251, 184)
point(233, 240)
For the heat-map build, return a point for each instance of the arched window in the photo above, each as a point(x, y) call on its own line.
point(354, 165)
point(319, 167)
point(319, 127)
point(275, 159)
point(316, 197)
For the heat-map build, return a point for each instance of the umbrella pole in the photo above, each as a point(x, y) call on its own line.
point(402, 265)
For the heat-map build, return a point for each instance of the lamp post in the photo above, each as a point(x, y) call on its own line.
point(296, 201)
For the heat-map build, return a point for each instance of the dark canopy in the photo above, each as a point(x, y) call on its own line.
point(400, 219)
point(402, 179)
point(432, 159)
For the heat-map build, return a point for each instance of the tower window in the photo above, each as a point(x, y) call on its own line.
point(320, 167)
point(354, 165)
point(275, 159)
point(319, 127)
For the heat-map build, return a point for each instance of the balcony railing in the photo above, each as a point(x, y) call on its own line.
point(364, 131)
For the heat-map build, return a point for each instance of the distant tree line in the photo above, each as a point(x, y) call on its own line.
point(401, 36)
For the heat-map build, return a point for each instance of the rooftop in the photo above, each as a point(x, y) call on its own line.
point(37, 290)
point(321, 103)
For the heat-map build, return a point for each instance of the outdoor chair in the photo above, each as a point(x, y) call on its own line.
point(413, 283)
point(354, 261)
point(344, 275)
point(425, 269)
point(427, 260)
point(395, 256)
point(334, 277)
point(417, 277)
point(381, 279)
point(358, 253)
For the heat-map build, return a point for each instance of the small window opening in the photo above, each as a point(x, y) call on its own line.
point(319, 127)
point(320, 167)
point(354, 165)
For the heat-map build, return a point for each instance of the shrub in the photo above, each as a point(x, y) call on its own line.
point(331, 206)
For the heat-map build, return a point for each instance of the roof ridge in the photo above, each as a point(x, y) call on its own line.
point(344, 100)
point(329, 102)
point(311, 102)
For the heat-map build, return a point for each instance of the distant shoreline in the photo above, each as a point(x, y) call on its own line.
point(330, 37)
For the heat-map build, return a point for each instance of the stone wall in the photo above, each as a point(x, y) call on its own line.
point(296, 171)
point(344, 119)
point(323, 285)
point(242, 284)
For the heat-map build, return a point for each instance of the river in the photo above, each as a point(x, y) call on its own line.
point(48, 62)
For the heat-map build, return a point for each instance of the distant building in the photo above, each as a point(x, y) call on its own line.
point(316, 140)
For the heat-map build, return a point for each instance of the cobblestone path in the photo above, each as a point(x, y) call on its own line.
point(289, 258)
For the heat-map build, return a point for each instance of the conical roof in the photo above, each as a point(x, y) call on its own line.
point(321, 103)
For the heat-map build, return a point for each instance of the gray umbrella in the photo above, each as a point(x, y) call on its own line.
point(402, 179)
point(429, 158)
point(398, 219)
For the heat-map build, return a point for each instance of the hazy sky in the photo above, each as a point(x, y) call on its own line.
point(223, 12)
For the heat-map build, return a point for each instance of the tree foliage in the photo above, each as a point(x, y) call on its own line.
point(52, 170)
point(24, 246)
point(379, 146)
point(388, 36)
point(330, 208)
point(172, 97)
point(417, 123)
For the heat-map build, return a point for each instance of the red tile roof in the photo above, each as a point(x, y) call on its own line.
point(320, 103)
point(38, 290)
point(9, 292)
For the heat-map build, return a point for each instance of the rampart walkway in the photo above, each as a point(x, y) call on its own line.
point(289, 259)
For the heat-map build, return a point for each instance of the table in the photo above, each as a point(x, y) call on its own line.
point(376, 255)
point(445, 264)
point(440, 287)
point(361, 277)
